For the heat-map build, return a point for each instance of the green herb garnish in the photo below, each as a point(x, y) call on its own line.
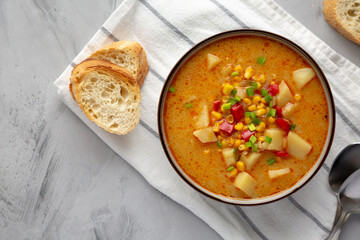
point(264, 92)
point(248, 144)
point(230, 169)
point(219, 144)
point(268, 98)
point(292, 126)
point(236, 73)
point(271, 113)
point(235, 150)
point(237, 98)
point(271, 161)
point(251, 127)
point(172, 89)
point(256, 121)
point(250, 91)
point(247, 114)
point(261, 60)
point(252, 139)
point(271, 104)
point(254, 147)
point(227, 106)
point(254, 84)
point(268, 139)
point(188, 105)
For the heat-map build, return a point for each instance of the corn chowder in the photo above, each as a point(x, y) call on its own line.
point(246, 117)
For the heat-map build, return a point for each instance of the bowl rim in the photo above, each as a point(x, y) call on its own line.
point(293, 46)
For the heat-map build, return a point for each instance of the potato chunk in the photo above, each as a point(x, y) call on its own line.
point(284, 94)
point(303, 76)
point(277, 139)
point(212, 61)
point(297, 146)
point(245, 183)
point(251, 159)
point(202, 120)
point(279, 172)
point(229, 156)
point(205, 135)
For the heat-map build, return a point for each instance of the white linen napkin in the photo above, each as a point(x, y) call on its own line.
point(167, 30)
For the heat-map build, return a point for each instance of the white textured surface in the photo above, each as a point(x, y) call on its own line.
point(57, 179)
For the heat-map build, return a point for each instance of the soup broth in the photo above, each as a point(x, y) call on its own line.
point(192, 104)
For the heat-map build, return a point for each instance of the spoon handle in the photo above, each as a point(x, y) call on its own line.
point(339, 210)
point(336, 229)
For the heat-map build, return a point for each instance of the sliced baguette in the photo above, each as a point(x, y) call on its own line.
point(344, 16)
point(108, 94)
point(127, 54)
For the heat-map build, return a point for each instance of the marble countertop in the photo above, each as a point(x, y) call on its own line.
point(58, 180)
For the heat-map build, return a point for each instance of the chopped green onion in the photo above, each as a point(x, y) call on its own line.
point(237, 98)
point(252, 139)
point(254, 147)
point(253, 115)
point(247, 114)
point(233, 92)
point(227, 106)
point(292, 126)
point(254, 84)
point(271, 113)
point(268, 139)
point(271, 161)
point(271, 104)
point(188, 105)
point(251, 127)
point(230, 168)
point(264, 92)
point(172, 89)
point(219, 144)
point(236, 73)
point(261, 60)
point(268, 98)
point(232, 101)
point(250, 91)
point(248, 144)
point(256, 121)
point(235, 150)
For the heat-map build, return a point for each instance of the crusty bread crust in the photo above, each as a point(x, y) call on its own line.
point(119, 116)
point(331, 9)
point(128, 54)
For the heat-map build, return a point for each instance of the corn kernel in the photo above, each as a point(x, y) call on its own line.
point(230, 141)
point(261, 78)
point(239, 136)
point(247, 120)
point(258, 86)
point(256, 99)
point(239, 126)
point(249, 72)
point(227, 88)
point(272, 82)
point(252, 108)
point(247, 101)
point(206, 151)
point(230, 118)
point(297, 97)
point(224, 143)
point(263, 100)
point(262, 139)
point(245, 128)
point(242, 147)
point(260, 112)
point(233, 173)
point(216, 115)
point(267, 109)
point(237, 78)
point(240, 166)
point(216, 127)
point(261, 127)
point(236, 84)
point(238, 68)
point(222, 108)
point(219, 137)
point(237, 142)
point(261, 106)
point(271, 119)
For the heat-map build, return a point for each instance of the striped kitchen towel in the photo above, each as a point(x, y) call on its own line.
point(167, 30)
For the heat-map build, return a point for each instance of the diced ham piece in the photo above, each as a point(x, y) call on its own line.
point(237, 111)
point(227, 127)
point(273, 89)
point(247, 134)
point(283, 124)
point(216, 105)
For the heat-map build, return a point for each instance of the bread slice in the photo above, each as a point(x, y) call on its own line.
point(127, 54)
point(108, 94)
point(344, 16)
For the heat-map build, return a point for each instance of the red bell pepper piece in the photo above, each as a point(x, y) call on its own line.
point(278, 111)
point(282, 154)
point(237, 111)
point(273, 89)
point(227, 127)
point(283, 124)
point(216, 105)
point(247, 134)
